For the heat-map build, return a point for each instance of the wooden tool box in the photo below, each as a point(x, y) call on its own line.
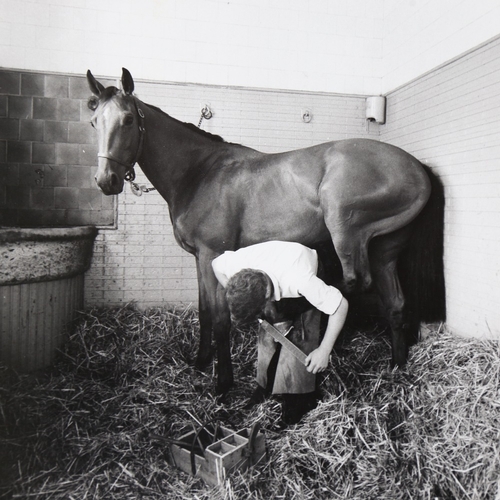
point(213, 454)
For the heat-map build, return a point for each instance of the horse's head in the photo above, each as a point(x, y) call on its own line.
point(118, 122)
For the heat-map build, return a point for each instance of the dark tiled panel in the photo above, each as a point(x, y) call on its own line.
point(78, 217)
point(47, 108)
point(32, 84)
point(56, 86)
point(108, 202)
point(44, 153)
point(44, 109)
point(9, 174)
point(32, 130)
point(18, 152)
point(42, 198)
point(55, 175)
point(9, 82)
point(81, 132)
point(18, 196)
point(48, 153)
point(67, 154)
point(79, 88)
point(56, 131)
point(9, 217)
point(19, 107)
point(102, 217)
point(66, 197)
point(30, 175)
point(9, 128)
point(88, 155)
point(90, 199)
point(68, 109)
point(54, 218)
point(30, 218)
point(80, 176)
point(3, 105)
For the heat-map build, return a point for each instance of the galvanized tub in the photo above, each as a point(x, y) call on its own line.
point(41, 288)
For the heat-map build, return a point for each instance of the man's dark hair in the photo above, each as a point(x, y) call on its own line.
point(246, 295)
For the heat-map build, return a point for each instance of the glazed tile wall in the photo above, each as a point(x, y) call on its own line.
point(449, 120)
point(48, 153)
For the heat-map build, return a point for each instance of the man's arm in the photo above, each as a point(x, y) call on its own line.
point(318, 359)
point(217, 266)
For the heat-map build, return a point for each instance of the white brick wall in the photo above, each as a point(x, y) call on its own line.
point(449, 120)
point(419, 35)
point(288, 44)
point(362, 46)
point(140, 261)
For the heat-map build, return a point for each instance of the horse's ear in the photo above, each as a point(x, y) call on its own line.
point(127, 81)
point(94, 85)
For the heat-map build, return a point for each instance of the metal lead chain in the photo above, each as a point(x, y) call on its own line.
point(138, 189)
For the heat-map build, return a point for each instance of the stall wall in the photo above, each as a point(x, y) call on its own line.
point(141, 261)
point(448, 119)
point(420, 35)
point(362, 46)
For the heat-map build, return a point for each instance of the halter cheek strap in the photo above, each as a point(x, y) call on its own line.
point(130, 173)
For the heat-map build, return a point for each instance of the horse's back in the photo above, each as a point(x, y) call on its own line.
point(248, 196)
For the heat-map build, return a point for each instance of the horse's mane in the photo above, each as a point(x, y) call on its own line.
point(190, 126)
point(109, 92)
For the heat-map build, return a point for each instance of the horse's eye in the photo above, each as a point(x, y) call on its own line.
point(129, 119)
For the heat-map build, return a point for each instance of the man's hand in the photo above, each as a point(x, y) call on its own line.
point(317, 361)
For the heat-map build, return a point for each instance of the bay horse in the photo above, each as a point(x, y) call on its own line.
point(373, 200)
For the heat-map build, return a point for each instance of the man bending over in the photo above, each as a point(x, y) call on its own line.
point(258, 279)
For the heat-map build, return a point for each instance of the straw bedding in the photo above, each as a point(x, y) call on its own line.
point(97, 424)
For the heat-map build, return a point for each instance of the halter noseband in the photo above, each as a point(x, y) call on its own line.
point(130, 173)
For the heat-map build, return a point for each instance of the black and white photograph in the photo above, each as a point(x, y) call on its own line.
point(250, 249)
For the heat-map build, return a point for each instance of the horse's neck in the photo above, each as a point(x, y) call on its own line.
point(170, 152)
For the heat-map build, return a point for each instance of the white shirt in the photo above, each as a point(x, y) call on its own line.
point(292, 268)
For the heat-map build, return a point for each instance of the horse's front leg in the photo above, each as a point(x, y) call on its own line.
point(222, 332)
point(205, 351)
point(221, 323)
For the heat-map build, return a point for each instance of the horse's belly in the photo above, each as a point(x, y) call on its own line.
point(285, 223)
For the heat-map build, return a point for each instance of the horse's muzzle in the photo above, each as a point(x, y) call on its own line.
point(109, 184)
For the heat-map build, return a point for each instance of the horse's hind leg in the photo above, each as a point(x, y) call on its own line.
point(351, 237)
point(384, 253)
point(352, 249)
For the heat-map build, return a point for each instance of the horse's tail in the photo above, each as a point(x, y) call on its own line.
point(420, 267)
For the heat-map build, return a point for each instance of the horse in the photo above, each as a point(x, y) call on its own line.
point(380, 207)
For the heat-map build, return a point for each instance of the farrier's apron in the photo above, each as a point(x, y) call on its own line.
point(291, 375)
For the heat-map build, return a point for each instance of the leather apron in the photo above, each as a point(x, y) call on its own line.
point(291, 376)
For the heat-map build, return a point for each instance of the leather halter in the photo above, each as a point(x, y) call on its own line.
point(130, 173)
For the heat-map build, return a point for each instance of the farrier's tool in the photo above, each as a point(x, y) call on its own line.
point(287, 344)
